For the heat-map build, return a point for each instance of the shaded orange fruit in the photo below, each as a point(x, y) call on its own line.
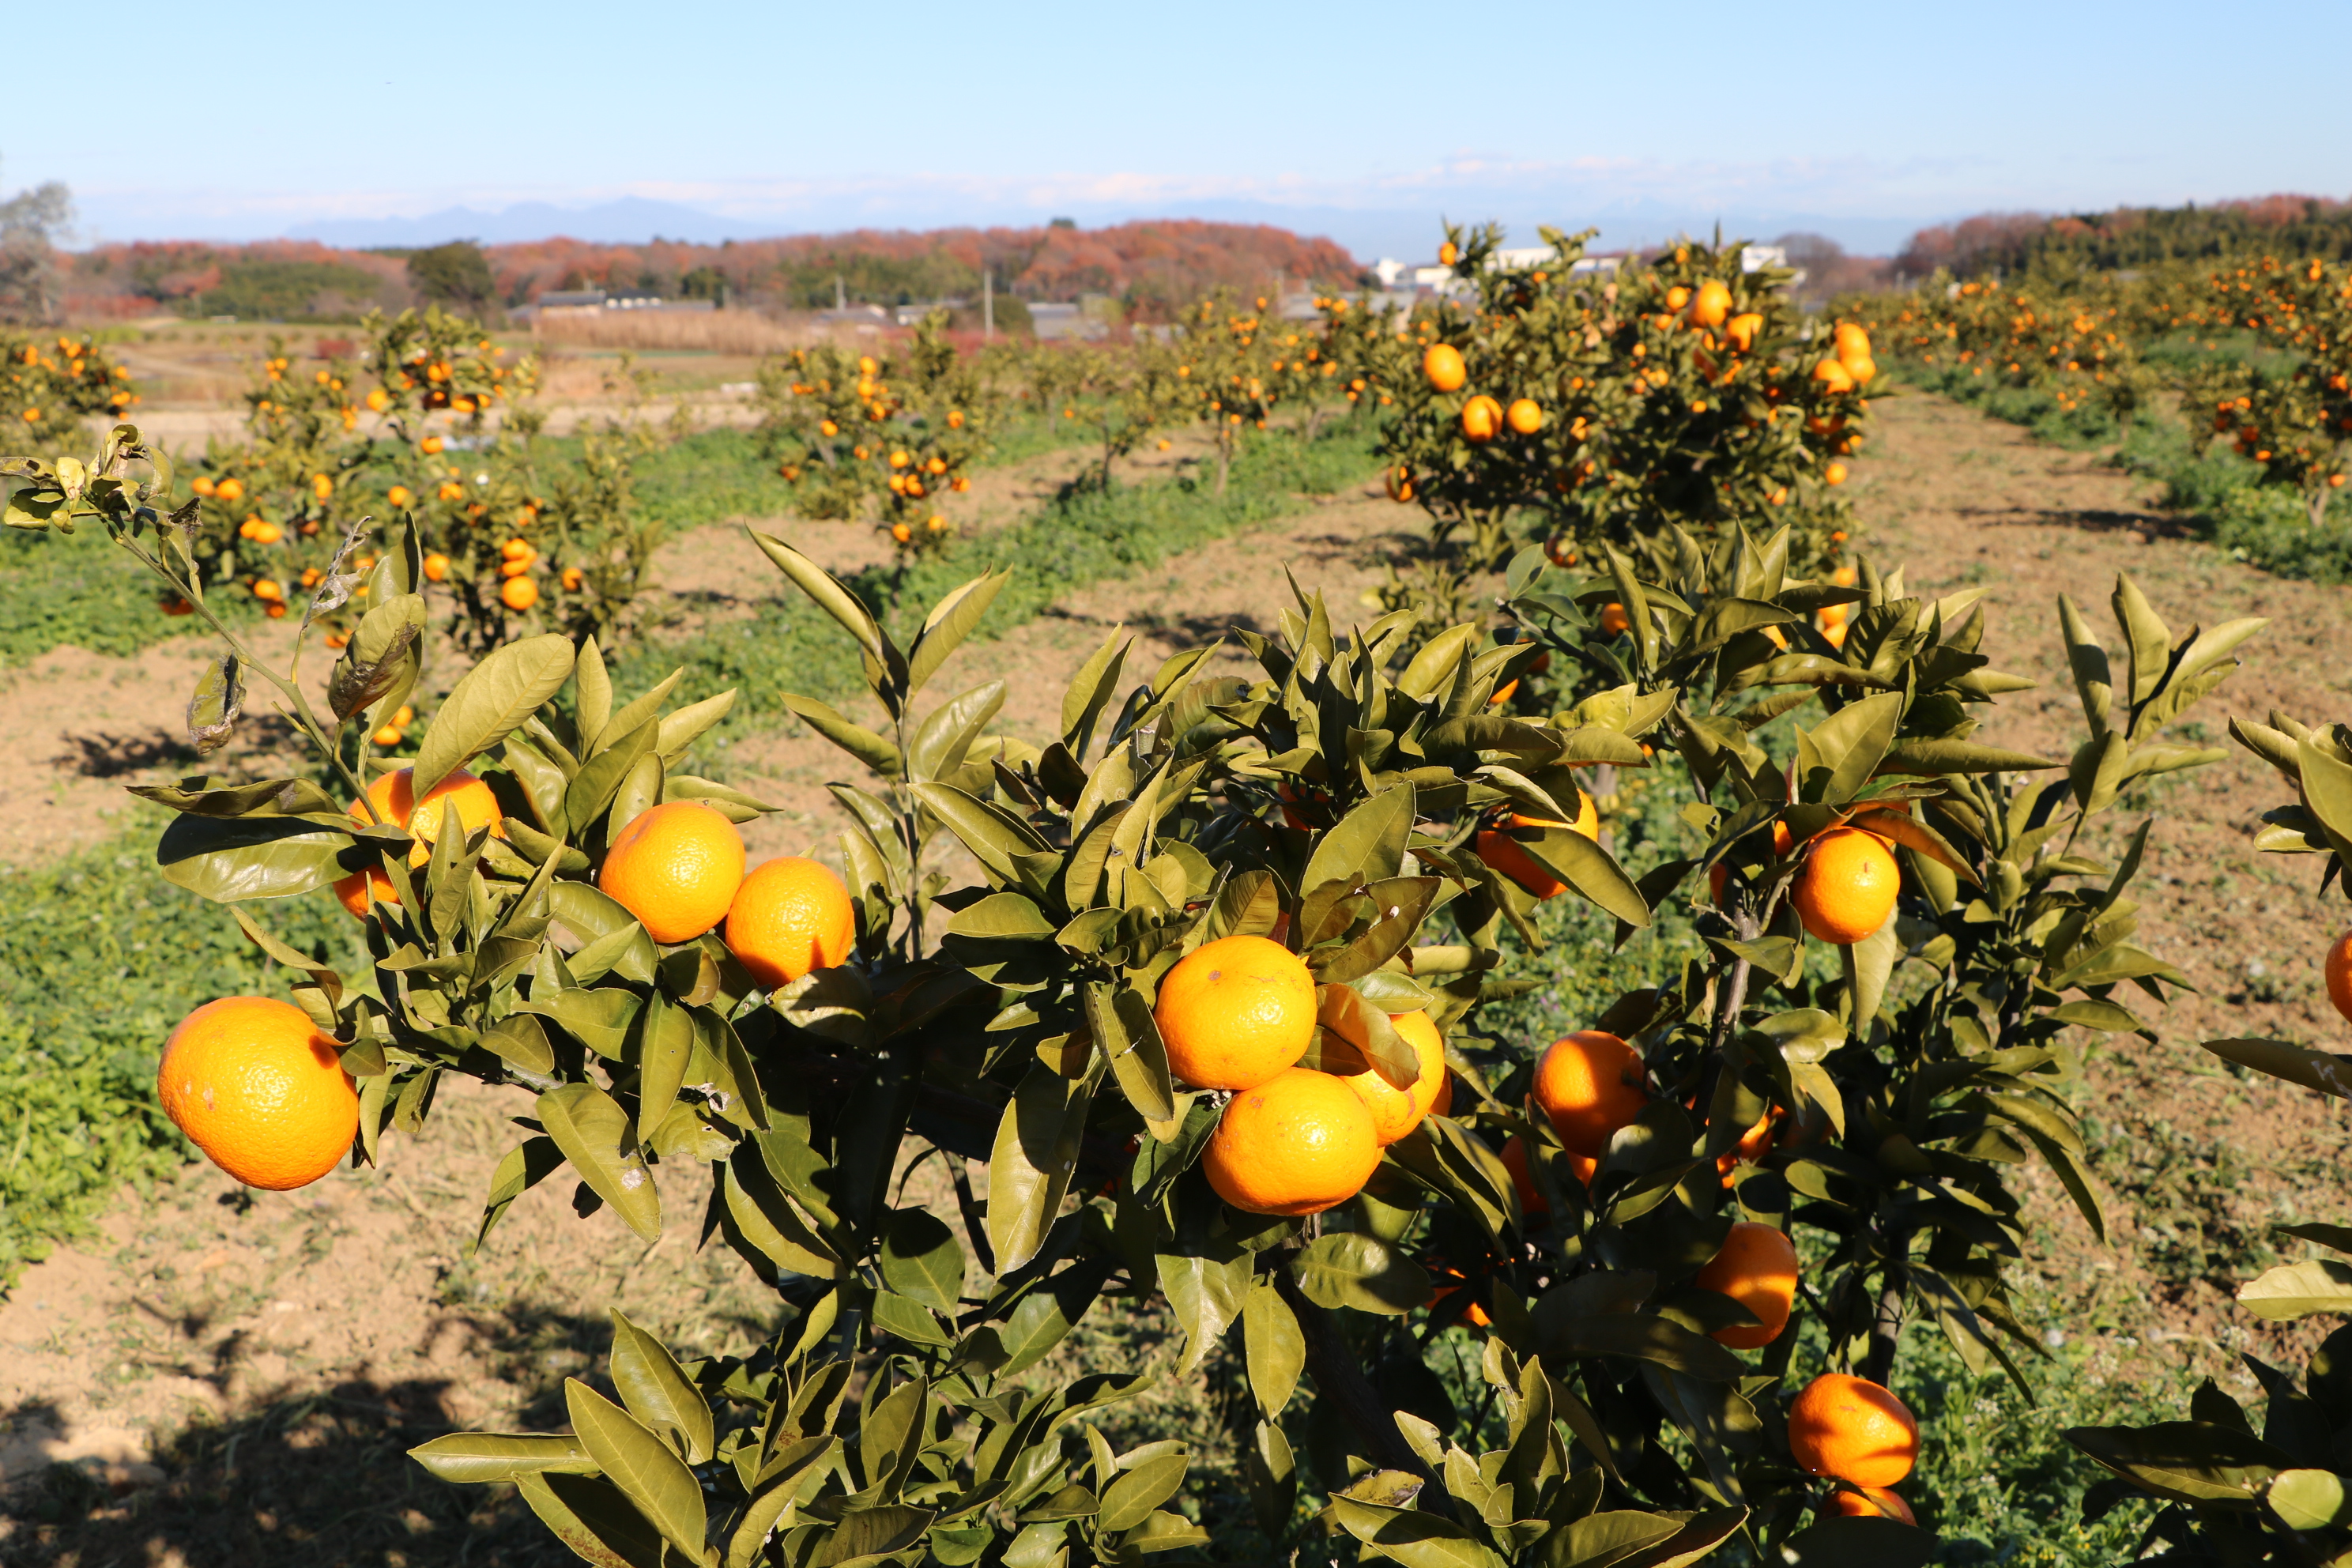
point(1873, 1502)
point(2339, 968)
point(1591, 1084)
point(1234, 1012)
point(1510, 856)
point(1482, 419)
point(1395, 1111)
point(1756, 1266)
point(1720, 873)
point(261, 1089)
point(1442, 363)
point(791, 915)
point(1443, 1282)
point(393, 797)
point(1613, 619)
point(676, 867)
point(1851, 1428)
point(1847, 888)
point(1298, 1143)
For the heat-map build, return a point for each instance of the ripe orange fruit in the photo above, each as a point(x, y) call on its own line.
point(1397, 1111)
point(791, 915)
point(1506, 855)
point(1524, 416)
point(1756, 1266)
point(1591, 1084)
point(1298, 1143)
point(2337, 966)
point(1235, 1012)
point(1852, 1429)
point(437, 567)
point(1711, 305)
point(677, 866)
point(1847, 888)
point(1834, 475)
point(519, 592)
point(229, 490)
point(1444, 367)
point(1741, 329)
point(1833, 375)
point(1873, 1502)
point(261, 1089)
point(1482, 419)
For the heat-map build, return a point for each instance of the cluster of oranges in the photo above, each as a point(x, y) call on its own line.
point(1237, 1016)
point(261, 1089)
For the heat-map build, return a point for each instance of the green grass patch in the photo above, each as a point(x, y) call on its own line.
point(100, 958)
point(81, 591)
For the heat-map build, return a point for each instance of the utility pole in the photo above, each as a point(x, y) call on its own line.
point(987, 306)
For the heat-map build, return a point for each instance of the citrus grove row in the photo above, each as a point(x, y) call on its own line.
point(2255, 351)
point(1187, 996)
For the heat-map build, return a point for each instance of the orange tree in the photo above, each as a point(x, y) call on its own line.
point(1612, 405)
point(2226, 1492)
point(855, 435)
point(1345, 836)
point(2294, 425)
point(44, 379)
point(1228, 372)
point(515, 536)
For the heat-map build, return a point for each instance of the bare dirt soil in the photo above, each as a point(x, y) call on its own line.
point(199, 1381)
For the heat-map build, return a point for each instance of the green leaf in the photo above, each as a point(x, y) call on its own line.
point(1274, 1347)
point(1930, 755)
point(1369, 842)
point(592, 1130)
point(1205, 1294)
point(2321, 1070)
point(872, 1533)
point(921, 1258)
point(1588, 869)
point(484, 1457)
point(2299, 1290)
point(1404, 1536)
point(1851, 742)
point(950, 622)
point(826, 589)
point(656, 1391)
point(1352, 1269)
point(592, 1517)
point(1122, 1022)
point(228, 859)
point(490, 702)
point(992, 835)
point(876, 752)
point(1128, 1502)
point(649, 1474)
point(2185, 1461)
point(522, 1169)
point(599, 1019)
point(1035, 1154)
point(2310, 1500)
point(682, 729)
point(599, 780)
point(665, 1044)
point(1003, 917)
point(772, 1223)
point(1090, 690)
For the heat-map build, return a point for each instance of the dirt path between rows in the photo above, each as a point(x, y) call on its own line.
point(202, 1356)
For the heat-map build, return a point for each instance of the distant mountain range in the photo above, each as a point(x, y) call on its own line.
point(1367, 233)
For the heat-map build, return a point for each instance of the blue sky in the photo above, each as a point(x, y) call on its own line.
point(246, 118)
